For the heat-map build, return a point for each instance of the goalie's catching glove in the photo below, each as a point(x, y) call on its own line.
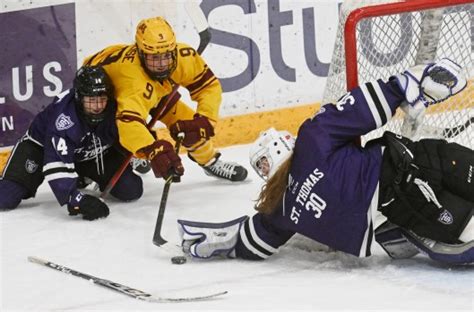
point(432, 83)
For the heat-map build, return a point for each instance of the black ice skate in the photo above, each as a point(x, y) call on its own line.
point(225, 170)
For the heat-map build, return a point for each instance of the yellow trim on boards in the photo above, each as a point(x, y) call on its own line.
point(243, 129)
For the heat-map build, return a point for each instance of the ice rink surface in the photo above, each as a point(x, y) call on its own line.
point(302, 276)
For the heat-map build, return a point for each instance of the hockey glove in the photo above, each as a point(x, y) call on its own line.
point(90, 207)
point(443, 80)
point(195, 130)
point(432, 83)
point(206, 240)
point(163, 159)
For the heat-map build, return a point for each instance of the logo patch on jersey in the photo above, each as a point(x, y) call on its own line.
point(63, 122)
point(446, 217)
point(31, 166)
point(347, 98)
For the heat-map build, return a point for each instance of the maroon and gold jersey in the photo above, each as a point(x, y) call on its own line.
point(137, 93)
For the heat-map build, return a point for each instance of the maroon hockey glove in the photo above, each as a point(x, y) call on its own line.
point(90, 207)
point(163, 159)
point(194, 130)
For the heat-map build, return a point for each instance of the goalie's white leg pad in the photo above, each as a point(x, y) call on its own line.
point(206, 240)
point(468, 232)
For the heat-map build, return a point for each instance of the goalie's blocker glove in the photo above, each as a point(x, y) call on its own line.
point(205, 240)
point(432, 83)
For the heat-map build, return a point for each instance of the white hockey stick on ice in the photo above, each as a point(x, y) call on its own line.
point(126, 290)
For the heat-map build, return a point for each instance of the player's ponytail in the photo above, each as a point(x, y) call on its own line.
point(272, 191)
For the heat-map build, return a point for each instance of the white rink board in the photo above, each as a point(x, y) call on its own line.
point(106, 22)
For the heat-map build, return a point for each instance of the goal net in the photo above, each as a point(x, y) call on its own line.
point(377, 39)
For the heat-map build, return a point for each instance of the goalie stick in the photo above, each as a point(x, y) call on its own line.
point(429, 131)
point(126, 290)
point(454, 131)
point(199, 20)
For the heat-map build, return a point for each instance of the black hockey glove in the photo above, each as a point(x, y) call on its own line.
point(89, 206)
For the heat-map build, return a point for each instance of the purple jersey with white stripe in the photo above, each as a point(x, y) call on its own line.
point(332, 183)
point(66, 140)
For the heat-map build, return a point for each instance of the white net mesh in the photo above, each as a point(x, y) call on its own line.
point(390, 43)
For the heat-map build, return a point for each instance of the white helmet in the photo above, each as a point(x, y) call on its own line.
point(270, 150)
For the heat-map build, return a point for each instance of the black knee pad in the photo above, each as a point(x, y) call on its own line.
point(427, 158)
point(9, 204)
point(25, 166)
point(440, 168)
point(129, 187)
point(11, 194)
point(443, 224)
point(452, 217)
point(457, 163)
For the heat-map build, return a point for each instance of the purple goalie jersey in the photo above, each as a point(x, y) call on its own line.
point(332, 184)
point(67, 140)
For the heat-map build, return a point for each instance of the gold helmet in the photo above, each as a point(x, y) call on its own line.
point(156, 41)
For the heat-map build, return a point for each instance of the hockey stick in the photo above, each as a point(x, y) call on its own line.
point(425, 130)
point(200, 22)
point(129, 291)
point(454, 131)
point(158, 240)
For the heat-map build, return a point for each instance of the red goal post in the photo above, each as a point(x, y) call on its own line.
point(381, 39)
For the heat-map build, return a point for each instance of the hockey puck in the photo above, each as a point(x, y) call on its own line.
point(178, 260)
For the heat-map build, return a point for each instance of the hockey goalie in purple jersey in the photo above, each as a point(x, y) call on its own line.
point(416, 195)
point(75, 136)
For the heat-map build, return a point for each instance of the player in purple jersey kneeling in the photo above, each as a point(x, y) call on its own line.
point(75, 136)
point(416, 195)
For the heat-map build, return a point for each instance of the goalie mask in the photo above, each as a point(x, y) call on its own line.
point(156, 43)
point(270, 150)
point(94, 94)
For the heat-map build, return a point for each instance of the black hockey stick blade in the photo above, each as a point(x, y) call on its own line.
point(205, 38)
point(158, 240)
point(132, 292)
point(200, 23)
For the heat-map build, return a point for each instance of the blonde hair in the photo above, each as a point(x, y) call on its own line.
point(272, 191)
